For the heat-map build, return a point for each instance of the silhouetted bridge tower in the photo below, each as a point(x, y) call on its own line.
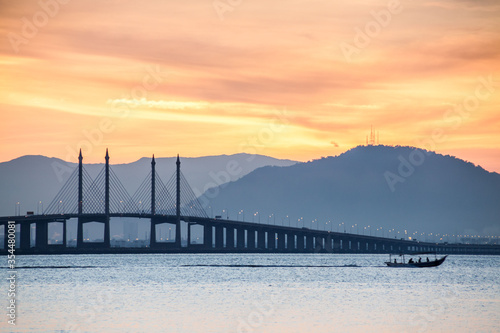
point(100, 199)
point(104, 197)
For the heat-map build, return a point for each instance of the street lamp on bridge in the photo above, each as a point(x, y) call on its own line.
point(255, 215)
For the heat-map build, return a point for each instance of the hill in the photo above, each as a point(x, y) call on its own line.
point(378, 186)
point(31, 179)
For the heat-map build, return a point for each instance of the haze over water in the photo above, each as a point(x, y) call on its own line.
point(254, 293)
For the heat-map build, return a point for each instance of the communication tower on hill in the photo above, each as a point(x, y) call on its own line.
point(371, 140)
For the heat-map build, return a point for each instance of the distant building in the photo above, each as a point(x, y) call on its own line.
point(130, 230)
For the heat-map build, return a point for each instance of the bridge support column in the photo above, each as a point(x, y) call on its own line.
point(41, 235)
point(152, 234)
point(79, 233)
point(107, 234)
point(188, 242)
point(251, 239)
point(79, 227)
point(240, 238)
point(230, 237)
point(336, 245)
point(309, 243)
point(152, 226)
point(371, 247)
point(65, 240)
point(318, 247)
point(290, 241)
point(5, 236)
point(219, 237)
point(178, 204)
point(271, 240)
point(261, 239)
point(300, 243)
point(207, 236)
point(328, 244)
point(281, 241)
point(25, 235)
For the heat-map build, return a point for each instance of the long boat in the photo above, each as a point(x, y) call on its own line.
point(411, 263)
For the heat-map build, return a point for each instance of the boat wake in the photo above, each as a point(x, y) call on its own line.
point(271, 266)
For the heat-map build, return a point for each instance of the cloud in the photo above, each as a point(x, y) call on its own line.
point(235, 73)
point(170, 105)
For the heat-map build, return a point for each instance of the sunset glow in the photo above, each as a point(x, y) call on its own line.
point(288, 79)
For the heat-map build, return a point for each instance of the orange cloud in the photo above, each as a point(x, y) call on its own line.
point(221, 82)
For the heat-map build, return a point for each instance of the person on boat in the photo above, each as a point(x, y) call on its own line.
point(395, 261)
point(410, 261)
point(427, 259)
point(419, 259)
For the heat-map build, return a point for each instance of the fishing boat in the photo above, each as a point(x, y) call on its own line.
point(415, 263)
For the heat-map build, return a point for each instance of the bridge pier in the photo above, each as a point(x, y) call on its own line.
point(318, 246)
point(152, 234)
point(309, 243)
point(65, 239)
point(41, 240)
point(240, 238)
point(5, 236)
point(271, 240)
point(79, 233)
point(25, 235)
point(281, 241)
point(290, 241)
point(328, 244)
point(336, 244)
point(300, 242)
point(207, 236)
point(251, 239)
point(261, 239)
point(230, 237)
point(219, 237)
point(107, 234)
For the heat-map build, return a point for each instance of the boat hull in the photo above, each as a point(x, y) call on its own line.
point(433, 263)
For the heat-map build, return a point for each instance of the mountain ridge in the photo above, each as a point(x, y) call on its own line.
point(431, 192)
point(30, 179)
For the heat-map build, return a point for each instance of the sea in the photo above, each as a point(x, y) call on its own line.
point(250, 293)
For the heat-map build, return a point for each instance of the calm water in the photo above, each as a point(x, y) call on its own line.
point(253, 293)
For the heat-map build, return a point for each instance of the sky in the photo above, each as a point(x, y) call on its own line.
point(291, 79)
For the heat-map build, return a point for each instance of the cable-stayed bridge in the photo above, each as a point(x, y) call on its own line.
point(173, 202)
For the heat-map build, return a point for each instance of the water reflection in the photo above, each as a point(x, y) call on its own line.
point(255, 293)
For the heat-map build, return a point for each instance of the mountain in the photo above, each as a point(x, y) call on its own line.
point(404, 188)
point(31, 179)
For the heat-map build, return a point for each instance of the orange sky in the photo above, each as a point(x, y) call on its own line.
point(290, 79)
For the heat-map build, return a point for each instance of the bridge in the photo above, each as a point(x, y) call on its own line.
point(104, 197)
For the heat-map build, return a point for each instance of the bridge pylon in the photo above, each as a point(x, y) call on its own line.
point(178, 204)
point(79, 231)
point(106, 203)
